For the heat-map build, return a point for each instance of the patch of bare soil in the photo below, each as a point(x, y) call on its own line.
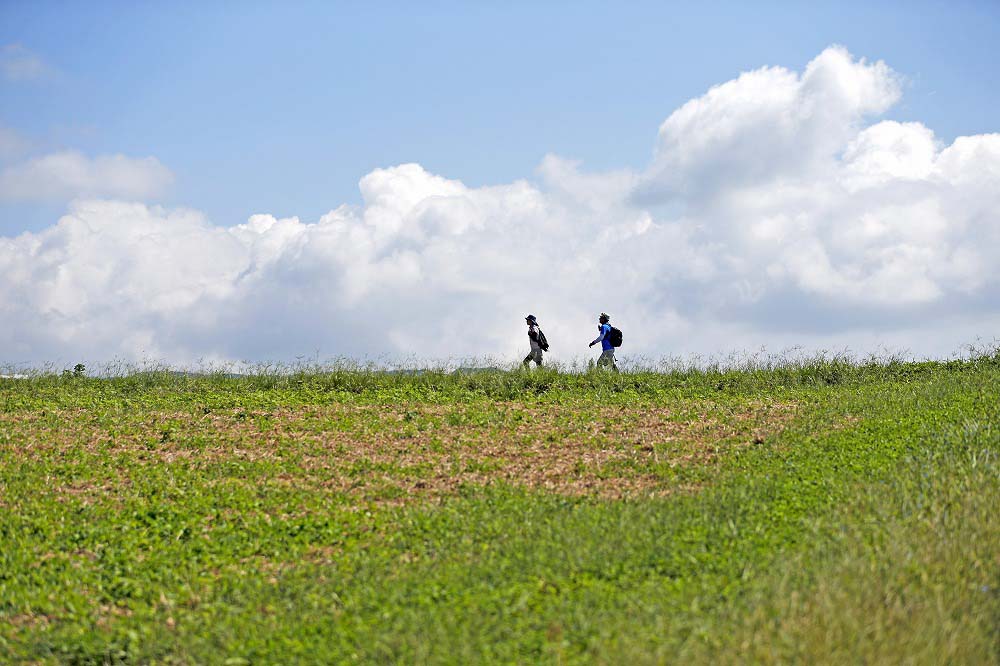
point(400, 453)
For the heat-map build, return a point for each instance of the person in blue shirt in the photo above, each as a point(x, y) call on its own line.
point(607, 358)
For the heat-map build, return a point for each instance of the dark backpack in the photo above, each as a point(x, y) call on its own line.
point(615, 337)
point(542, 342)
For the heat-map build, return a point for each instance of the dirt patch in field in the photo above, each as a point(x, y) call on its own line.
point(399, 453)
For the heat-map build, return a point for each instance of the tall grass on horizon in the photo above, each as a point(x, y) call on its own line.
point(345, 379)
point(740, 361)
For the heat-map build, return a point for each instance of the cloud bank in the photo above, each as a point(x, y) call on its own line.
point(777, 210)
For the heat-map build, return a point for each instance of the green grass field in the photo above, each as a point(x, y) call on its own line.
point(815, 511)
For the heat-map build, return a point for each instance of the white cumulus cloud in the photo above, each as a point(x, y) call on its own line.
point(768, 123)
point(779, 209)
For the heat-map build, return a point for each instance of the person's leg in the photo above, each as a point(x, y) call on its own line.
point(538, 357)
point(527, 359)
point(607, 360)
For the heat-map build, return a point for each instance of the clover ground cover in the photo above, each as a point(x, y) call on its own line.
point(525, 518)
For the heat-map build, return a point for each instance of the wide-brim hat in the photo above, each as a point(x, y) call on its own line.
point(531, 318)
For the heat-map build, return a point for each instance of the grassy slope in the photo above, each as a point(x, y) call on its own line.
point(865, 530)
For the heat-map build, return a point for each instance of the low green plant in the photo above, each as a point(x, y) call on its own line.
point(819, 510)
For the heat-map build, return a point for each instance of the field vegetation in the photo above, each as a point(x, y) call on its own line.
point(806, 510)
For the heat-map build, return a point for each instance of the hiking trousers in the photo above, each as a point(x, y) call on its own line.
point(607, 360)
point(534, 355)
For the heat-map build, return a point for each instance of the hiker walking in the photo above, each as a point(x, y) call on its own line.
point(538, 342)
point(610, 337)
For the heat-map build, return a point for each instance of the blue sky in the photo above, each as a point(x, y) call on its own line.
point(717, 176)
point(262, 107)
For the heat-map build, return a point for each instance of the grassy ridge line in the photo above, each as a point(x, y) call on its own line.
point(268, 389)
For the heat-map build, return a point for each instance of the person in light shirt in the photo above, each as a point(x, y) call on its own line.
point(537, 341)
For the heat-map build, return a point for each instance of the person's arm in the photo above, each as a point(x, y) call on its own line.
point(599, 337)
